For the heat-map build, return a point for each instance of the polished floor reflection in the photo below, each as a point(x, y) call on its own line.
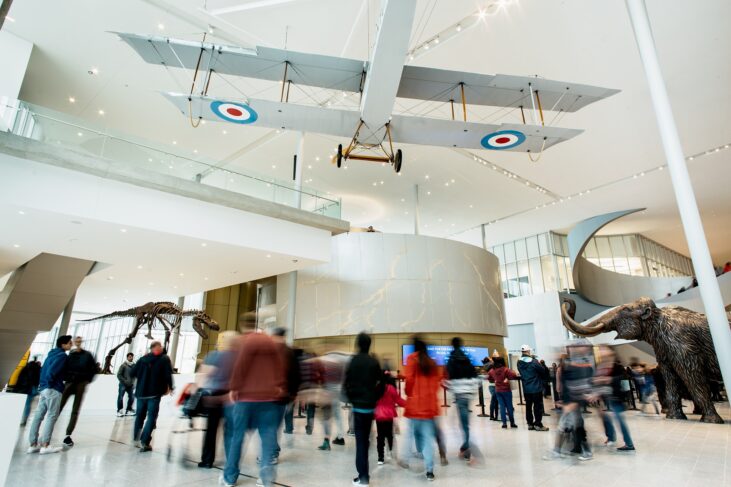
point(669, 453)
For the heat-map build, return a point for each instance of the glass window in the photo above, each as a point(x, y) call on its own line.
point(512, 273)
point(557, 247)
point(567, 261)
point(549, 273)
point(617, 245)
point(563, 278)
point(635, 266)
point(532, 245)
point(509, 252)
point(500, 253)
point(543, 244)
point(520, 250)
point(631, 246)
point(536, 277)
point(523, 279)
point(565, 245)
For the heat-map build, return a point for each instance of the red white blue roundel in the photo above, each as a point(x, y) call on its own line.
point(504, 139)
point(234, 112)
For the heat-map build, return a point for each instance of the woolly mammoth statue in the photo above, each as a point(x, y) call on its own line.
point(682, 342)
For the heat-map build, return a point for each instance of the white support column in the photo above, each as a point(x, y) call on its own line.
point(689, 215)
point(484, 238)
point(417, 223)
point(66, 316)
point(298, 170)
point(291, 306)
point(175, 338)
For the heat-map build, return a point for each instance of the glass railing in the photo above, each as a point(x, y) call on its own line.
point(51, 127)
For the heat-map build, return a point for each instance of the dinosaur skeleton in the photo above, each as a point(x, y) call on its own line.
point(168, 314)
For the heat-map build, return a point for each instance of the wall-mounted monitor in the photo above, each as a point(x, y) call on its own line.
point(440, 353)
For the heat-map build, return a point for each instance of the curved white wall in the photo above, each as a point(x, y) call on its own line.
point(391, 283)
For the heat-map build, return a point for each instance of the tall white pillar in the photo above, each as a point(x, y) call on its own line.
point(298, 170)
point(689, 215)
point(292, 277)
point(484, 238)
point(416, 210)
point(175, 338)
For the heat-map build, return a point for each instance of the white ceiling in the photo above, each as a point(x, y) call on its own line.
point(571, 40)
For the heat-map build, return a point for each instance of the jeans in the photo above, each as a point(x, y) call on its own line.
point(125, 389)
point(77, 389)
point(241, 416)
point(493, 402)
point(215, 413)
point(423, 432)
point(147, 407)
point(505, 399)
point(289, 417)
point(534, 408)
point(463, 405)
point(49, 404)
point(362, 423)
point(616, 408)
point(28, 403)
point(384, 434)
point(332, 408)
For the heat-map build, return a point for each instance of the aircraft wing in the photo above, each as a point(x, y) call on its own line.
point(468, 135)
point(342, 123)
point(497, 90)
point(261, 63)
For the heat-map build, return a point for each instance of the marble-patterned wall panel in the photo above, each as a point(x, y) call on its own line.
point(389, 283)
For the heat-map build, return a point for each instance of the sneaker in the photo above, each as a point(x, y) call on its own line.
point(120, 413)
point(325, 446)
point(586, 456)
point(223, 482)
point(552, 455)
point(259, 483)
point(505, 426)
point(68, 442)
point(513, 425)
point(626, 448)
point(381, 462)
point(145, 448)
point(339, 441)
point(540, 428)
point(359, 481)
point(50, 449)
point(430, 476)
point(288, 432)
point(609, 443)
point(137, 444)
point(33, 449)
point(350, 433)
point(131, 412)
point(531, 427)
point(205, 465)
point(22, 424)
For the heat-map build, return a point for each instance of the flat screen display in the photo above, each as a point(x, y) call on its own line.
point(440, 353)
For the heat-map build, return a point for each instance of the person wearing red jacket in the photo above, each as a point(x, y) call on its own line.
point(423, 380)
point(385, 414)
point(502, 375)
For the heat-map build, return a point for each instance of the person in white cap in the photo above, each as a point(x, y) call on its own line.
point(533, 376)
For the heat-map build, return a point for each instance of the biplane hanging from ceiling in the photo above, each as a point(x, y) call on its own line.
point(373, 129)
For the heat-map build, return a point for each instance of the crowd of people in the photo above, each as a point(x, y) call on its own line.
point(254, 382)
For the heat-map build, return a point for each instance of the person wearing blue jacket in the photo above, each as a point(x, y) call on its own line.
point(534, 378)
point(49, 406)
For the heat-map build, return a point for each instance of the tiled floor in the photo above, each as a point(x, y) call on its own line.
point(669, 453)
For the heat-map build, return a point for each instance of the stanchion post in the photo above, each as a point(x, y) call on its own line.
point(520, 391)
point(445, 405)
point(481, 393)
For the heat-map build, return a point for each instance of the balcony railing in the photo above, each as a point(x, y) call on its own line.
point(51, 127)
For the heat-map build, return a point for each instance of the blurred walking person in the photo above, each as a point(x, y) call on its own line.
point(80, 371)
point(361, 380)
point(154, 374)
point(216, 374)
point(385, 414)
point(126, 386)
point(50, 390)
point(608, 382)
point(502, 376)
point(423, 380)
point(534, 377)
point(258, 394)
point(28, 381)
point(331, 371)
point(462, 382)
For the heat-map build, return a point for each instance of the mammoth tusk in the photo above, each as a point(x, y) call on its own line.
point(582, 330)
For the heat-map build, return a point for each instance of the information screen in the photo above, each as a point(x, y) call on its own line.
point(440, 353)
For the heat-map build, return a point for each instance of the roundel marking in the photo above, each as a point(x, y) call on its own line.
point(504, 139)
point(234, 112)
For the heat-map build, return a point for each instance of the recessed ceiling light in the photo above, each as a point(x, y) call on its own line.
point(317, 158)
point(403, 200)
point(175, 142)
point(93, 71)
point(225, 132)
point(428, 192)
point(471, 206)
point(21, 212)
point(459, 28)
point(150, 283)
point(123, 230)
point(72, 99)
point(269, 256)
point(149, 159)
point(80, 134)
point(16, 245)
point(374, 183)
point(436, 41)
point(195, 151)
point(205, 278)
point(161, 26)
point(426, 46)
point(174, 287)
point(110, 278)
point(309, 167)
point(274, 166)
point(204, 244)
point(181, 274)
point(100, 112)
point(139, 267)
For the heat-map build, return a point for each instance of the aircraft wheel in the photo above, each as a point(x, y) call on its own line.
point(340, 155)
point(397, 158)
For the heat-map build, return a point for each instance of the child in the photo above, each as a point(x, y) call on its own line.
point(385, 412)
